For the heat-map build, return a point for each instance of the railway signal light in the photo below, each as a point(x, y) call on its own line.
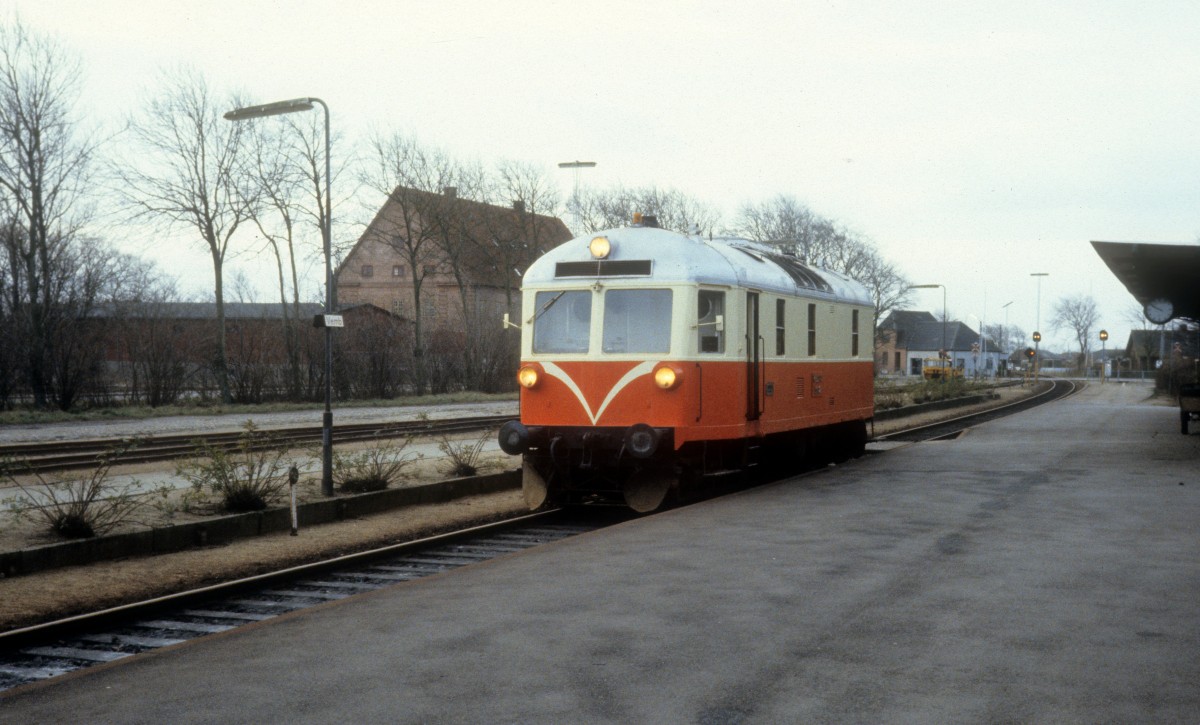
point(1037, 337)
point(1103, 335)
point(1030, 353)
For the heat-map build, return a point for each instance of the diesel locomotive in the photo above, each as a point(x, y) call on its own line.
point(652, 359)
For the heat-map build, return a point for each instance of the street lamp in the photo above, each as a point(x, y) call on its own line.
point(944, 313)
point(1037, 331)
point(292, 106)
point(577, 165)
point(1103, 354)
point(1004, 333)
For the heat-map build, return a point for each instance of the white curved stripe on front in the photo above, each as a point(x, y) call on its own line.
point(554, 371)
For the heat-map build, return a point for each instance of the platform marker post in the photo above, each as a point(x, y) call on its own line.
point(293, 477)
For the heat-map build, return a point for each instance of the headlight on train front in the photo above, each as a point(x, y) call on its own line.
point(527, 376)
point(667, 377)
point(599, 247)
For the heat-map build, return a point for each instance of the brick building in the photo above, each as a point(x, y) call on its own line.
point(466, 257)
point(906, 338)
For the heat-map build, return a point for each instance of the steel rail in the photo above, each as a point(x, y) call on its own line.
point(40, 456)
point(40, 652)
point(1058, 390)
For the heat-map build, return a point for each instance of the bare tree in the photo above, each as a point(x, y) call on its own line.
point(45, 164)
point(519, 239)
point(1010, 338)
point(285, 161)
point(413, 177)
point(787, 224)
point(781, 222)
point(460, 232)
point(274, 207)
point(615, 207)
point(889, 289)
point(1079, 315)
point(184, 175)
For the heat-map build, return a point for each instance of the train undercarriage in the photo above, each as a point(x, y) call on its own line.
point(639, 467)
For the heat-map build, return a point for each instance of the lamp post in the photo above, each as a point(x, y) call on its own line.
point(1037, 332)
point(1103, 354)
point(1004, 334)
point(945, 352)
point(577, 165)
point(292, 106)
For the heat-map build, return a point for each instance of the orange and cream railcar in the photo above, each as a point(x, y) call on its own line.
point(651, 358)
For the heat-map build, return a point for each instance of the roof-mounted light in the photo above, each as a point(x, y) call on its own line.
point(600, 247)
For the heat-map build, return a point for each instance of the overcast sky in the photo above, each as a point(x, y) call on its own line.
point(973, 142)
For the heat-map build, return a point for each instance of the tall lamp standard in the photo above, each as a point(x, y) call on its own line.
point(1004, 331)
point(1037, 332)
point(1103, 354)
point(576, 166)
point(945, 352)
point(327, 320)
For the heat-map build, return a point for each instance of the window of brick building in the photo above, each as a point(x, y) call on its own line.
point(397, 270)
point(368, 270)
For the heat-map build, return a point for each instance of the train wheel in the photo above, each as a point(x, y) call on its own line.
point(534, 486)
point(858, 439)
point(645, 491)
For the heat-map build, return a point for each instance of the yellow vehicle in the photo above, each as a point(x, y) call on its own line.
point(935, 369)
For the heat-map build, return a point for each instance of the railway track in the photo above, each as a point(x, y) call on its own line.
point(65, 455)
point(953, 427)
point(45, 651)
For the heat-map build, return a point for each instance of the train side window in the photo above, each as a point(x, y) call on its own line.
point(563, 321)
point(637, 320)
point(812, 330)
point(780, 308)
point(711, 306)
point(854, 333)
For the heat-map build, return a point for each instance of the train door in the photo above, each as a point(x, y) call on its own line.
point(753, 359)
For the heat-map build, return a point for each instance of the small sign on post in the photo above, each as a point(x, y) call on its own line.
point(328, 321)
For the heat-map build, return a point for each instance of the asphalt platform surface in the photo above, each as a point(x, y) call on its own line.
point(1043, 568)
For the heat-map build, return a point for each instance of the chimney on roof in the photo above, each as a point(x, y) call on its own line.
point(519, 206)
point(450, 191)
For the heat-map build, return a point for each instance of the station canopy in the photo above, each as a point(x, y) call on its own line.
point(1166, 276)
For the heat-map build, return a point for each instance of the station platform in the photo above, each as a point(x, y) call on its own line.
point(1041, 568)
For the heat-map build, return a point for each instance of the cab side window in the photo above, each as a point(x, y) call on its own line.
point(711, 305)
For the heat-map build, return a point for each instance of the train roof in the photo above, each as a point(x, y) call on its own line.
point(669, 257)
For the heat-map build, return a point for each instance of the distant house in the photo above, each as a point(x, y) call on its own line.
point(907, 338)
point(466, 257)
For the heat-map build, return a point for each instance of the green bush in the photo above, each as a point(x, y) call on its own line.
point(373, 468)
point(246, 478)
point(77, 507)
point(463, 456)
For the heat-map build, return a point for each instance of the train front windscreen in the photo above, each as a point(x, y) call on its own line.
point(635, 321)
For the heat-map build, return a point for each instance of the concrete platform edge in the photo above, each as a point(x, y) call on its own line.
point(222, 529)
